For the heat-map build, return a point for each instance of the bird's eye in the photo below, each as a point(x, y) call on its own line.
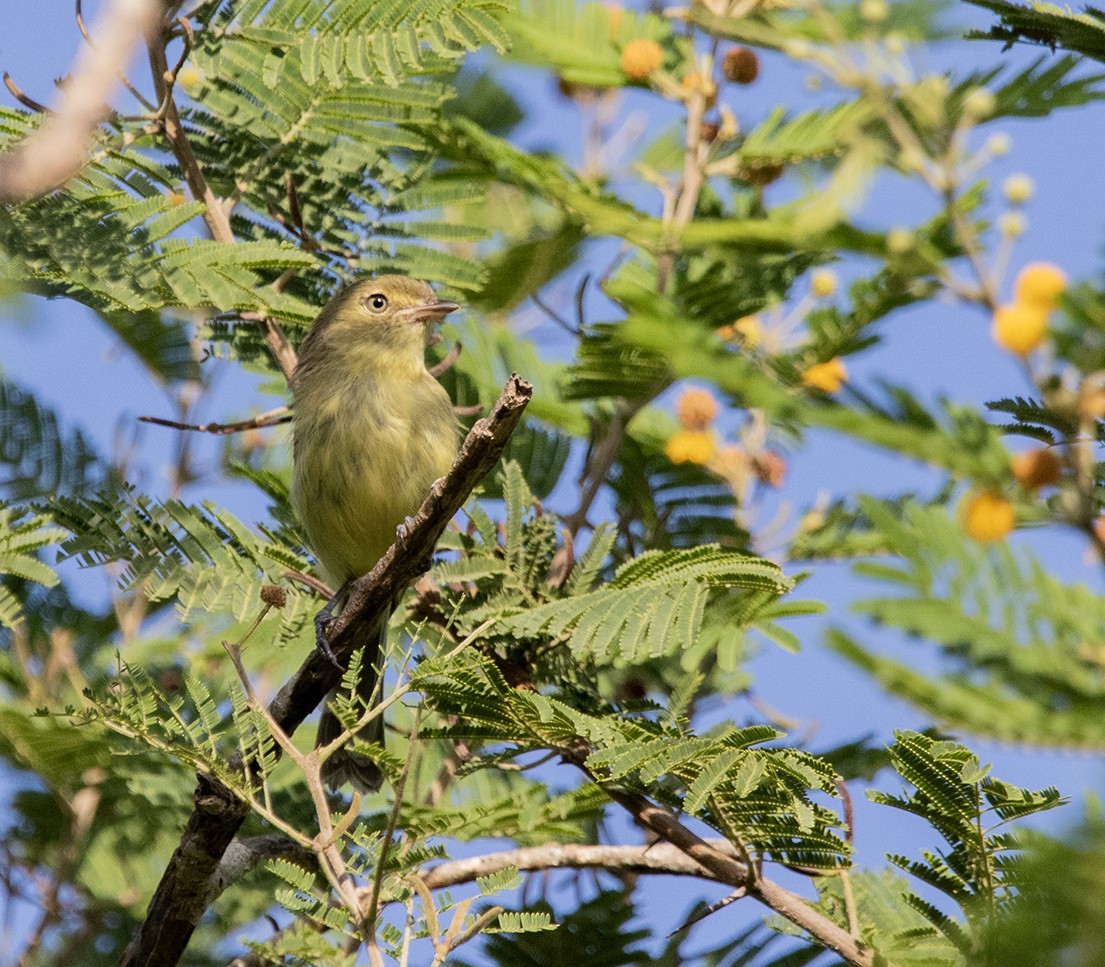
point(377, 302)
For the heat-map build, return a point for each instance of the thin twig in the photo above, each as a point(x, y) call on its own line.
point(448, 361)
point(25, 99)
point(214, 215)
point(272, 418)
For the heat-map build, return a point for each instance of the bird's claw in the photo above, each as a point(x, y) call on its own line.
point(402, 532)
point(322, 636)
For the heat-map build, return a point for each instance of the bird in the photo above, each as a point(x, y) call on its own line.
point(372, 430)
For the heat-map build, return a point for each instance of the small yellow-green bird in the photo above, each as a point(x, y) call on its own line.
point(373, 430)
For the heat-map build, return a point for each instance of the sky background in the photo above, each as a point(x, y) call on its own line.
point(72, 362)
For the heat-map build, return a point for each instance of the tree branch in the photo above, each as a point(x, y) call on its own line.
point(658, 858)
point(215, 215)
point(59, 149)
point(182, 895)
point(727, 869)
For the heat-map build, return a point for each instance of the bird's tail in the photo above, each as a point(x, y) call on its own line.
point(345, 765)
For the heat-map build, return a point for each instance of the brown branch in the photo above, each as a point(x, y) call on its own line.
point(727, 869)
point(657, 858)
point(215, 215)
point(25, 99)
point(181, 897)
point(272, 418)
point(59, 148)
point(447, 361)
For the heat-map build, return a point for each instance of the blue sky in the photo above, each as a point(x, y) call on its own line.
point(71, 361)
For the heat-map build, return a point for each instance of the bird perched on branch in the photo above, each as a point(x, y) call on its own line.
point(373, 431)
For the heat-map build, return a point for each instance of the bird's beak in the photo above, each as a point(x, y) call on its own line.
point(430, 312)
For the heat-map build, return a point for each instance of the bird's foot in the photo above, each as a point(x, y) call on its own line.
point(402, 532)
point(322, 635)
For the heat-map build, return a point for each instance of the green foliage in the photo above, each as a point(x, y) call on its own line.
point(202, 558)
point(566, 657)
point(977, 869)
point(40, 457)
point(21, 535)
point(1022, 632)
point(597, 933)
point(1046, 24)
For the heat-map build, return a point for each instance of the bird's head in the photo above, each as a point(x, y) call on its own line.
point(386, 316)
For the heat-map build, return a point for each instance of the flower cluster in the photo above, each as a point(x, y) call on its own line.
point(1021, 325)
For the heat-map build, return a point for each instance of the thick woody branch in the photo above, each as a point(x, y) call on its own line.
point(192, 873)
point(659, 858)
point(724, 867)
point(59, 149)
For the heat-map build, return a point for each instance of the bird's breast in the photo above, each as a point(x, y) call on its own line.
point(365, 458)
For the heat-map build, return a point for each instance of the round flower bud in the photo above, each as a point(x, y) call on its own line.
point(741, 65)
point(899, 241)
point(1018, 189)
point(696, 409)
point(274, 596)
point(1012, 224)
point(999, 144)
point(979, 104)
point(1020, 328)
point(1040, 284)
point(190, 78)
point(1037, 468)
point(640, 58)
point(823, 283)
point(987, 516)
point(874, 11)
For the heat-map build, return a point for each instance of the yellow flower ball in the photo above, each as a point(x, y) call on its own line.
point(823, 283)
point(1012, 224)
point(691, 446)
point(1040, 284)
point(1018, 189)
point(899, 241)
point(1020, 327)
point(999, 144)
point(874, 11)
point(987, 516)
point(827, 377)
point(176, 199)
point(979, 104)
point(696, 409)
point(190, 78)
point(1037, 468)
point(640, 58)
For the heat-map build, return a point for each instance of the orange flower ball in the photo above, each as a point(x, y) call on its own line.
point(1034, 469)
point(696, 409)
point(640, 58)
point(691, 446)
point(1040, 284)
point(987, 517)
point(1020, 327)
